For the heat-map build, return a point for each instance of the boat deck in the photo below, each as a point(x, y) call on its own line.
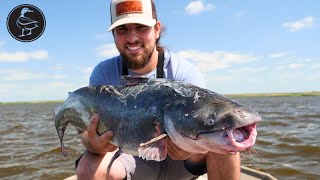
point(246, 174)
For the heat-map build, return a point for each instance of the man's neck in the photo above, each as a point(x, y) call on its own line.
point(150, 66)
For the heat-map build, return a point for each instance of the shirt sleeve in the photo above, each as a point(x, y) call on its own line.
point(182, 70)
point(106, 73)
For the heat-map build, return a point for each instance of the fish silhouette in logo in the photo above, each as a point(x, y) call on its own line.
point(26, 24)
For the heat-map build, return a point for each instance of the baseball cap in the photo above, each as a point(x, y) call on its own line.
point(131, 11)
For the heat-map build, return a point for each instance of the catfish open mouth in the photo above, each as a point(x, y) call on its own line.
point(243, 137)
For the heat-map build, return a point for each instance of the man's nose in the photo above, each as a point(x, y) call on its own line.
point(132, 36)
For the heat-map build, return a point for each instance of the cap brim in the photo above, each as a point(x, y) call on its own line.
point(137, 20)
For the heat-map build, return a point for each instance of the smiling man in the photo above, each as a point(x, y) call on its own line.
point(137, 31)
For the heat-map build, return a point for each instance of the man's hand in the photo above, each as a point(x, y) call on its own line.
point(95, 143)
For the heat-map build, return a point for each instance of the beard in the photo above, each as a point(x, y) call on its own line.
point(137, 62)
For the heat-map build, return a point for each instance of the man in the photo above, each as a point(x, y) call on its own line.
point(136, 33)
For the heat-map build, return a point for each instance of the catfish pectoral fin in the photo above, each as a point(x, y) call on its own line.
point(155, 149)
point(153, 140)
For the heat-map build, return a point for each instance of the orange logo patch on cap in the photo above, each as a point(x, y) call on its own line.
point(128, 7)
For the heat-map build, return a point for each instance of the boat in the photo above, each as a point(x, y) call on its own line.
point(246, 174)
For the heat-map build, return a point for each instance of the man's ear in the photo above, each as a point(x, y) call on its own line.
point(157, 28)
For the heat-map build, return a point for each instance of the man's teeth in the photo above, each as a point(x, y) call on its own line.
point(134, 47)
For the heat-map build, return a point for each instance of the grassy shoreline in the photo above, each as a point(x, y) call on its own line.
point(290, 94)
point(33, 102)
point(313, 93)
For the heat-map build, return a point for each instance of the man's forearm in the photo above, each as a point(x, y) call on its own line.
point(220, 166)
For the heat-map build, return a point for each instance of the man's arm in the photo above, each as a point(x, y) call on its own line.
point(219, 166)
point(223, 166)
point(94, 162)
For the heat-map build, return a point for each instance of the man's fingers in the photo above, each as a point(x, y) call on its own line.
point(107, 136)
point(92, 127)
point(95, 143)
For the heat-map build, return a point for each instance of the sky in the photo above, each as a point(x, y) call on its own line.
point(240, 46)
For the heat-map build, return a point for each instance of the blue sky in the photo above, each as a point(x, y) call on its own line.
point(243, 46)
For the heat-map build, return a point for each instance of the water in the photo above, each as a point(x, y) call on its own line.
point(288, 140)
point(288, 137)
point(29, 146)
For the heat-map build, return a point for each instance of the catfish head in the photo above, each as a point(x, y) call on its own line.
point(210, 122)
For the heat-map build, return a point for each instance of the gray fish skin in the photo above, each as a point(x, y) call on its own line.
point(196, 119)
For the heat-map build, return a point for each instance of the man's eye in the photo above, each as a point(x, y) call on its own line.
point(121, 29)
point(142, 28)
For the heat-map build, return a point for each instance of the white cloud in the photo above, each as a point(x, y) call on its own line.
point(107, 50)
point(280, 67)
point(87, 72)
point(278, 54)
point(61, 73)
point(58, 84)
point(208, 61)
point(218, 78)
point(21, 56)
point(240, 13)
point(315, 66)
point(290, 75)
point(7, 87)
point(247, 70)
point(296, 65)
point(2, 43)
point(58, 67)
point(103, 36)
point(47, 91)
point(306, 22)
point(197, 7)
point(315, 77)
point(58, 76)
point(308, 60)
point(56, 89)
point(18, 75)
point(6, 91)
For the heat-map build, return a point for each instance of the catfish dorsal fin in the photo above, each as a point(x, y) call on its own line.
point(133, 80)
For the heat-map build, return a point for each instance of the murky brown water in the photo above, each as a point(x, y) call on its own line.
point(288, 137)
point(288, 140)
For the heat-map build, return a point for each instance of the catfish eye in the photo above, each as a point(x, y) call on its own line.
point(210, 121)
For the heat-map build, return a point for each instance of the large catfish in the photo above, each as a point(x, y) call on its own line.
point(142, 112)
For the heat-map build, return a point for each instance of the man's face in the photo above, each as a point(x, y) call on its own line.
point(136, 43)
